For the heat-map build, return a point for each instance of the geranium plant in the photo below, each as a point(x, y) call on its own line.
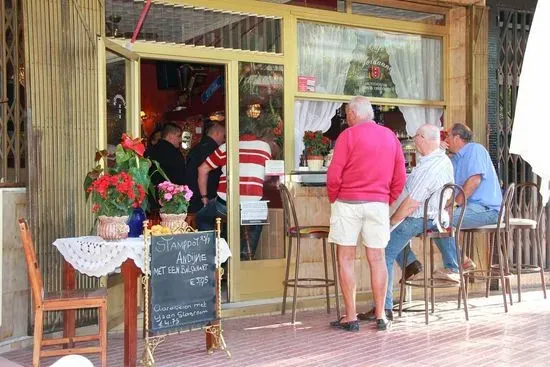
point(173, 199)
point(316, 144)
point(128, 158)
point(115, 195)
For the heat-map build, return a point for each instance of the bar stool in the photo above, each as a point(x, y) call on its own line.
point(499, 238)
point(448, 194)
point(293, 230)
point(526, 229)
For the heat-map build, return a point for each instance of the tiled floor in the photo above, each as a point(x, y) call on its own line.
point(490, 338)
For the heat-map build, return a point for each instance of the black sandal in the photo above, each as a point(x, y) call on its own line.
point(348, 326)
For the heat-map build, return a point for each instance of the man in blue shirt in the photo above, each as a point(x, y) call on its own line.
point(474, 171)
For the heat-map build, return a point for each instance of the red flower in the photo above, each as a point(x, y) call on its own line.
point(133, 144)
point(316, 143)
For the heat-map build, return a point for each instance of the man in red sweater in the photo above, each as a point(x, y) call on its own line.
point(366, 175)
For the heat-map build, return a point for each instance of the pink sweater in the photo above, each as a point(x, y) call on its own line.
point(367, 165)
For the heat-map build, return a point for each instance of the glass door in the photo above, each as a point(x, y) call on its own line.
point(261, 249)
point(119, 81)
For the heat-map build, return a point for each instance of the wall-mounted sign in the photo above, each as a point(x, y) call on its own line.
point(254, 212)
point(274, 167)
point(306, 83)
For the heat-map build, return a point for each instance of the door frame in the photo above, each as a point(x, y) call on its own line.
point(132, 88)
point(244, 282)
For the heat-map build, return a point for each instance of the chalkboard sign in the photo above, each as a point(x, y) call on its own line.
point(183, 281)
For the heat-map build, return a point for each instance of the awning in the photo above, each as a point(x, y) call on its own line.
point(531, 129)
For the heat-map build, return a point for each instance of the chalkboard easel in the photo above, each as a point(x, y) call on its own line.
point(182, 284)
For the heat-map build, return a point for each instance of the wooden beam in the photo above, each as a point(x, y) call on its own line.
point(421, 6)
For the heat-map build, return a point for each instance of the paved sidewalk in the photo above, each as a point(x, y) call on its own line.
point(490, 338)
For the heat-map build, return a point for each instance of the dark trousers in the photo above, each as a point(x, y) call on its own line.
point(206, 219)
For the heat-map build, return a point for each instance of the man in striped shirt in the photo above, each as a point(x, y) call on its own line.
point(433, 171)
point(253, 153)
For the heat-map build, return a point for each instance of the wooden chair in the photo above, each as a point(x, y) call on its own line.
point(61, 301)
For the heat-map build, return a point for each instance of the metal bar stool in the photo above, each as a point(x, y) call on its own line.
point(499, 237)
point(448, 194)
point(526, 229)
point(292, 231)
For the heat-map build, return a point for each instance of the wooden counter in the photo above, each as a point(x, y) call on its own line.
point(313, 208)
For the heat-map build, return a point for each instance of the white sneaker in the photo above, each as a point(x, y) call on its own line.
point(447, 274)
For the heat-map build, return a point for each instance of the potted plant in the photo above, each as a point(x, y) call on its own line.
point(127, 158)
point(114, 196)
point(316, 146)
point(174, 201)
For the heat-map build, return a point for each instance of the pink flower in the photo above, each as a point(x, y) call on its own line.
point(188, 195)
point(167, 196)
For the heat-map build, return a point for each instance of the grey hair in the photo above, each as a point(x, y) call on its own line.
point(463, 132)
point(429, 132)
point(362, 108)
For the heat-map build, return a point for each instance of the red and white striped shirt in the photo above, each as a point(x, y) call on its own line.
point(253, 154)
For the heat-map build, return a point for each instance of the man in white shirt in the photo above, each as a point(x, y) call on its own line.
point(433, 171)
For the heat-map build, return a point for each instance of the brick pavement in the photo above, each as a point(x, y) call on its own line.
point(490, 338)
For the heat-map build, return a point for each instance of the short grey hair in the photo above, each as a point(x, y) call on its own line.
point(463, 132)
point(429, 132)
point(362, 108)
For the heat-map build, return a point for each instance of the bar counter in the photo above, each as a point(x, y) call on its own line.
point(313, 208)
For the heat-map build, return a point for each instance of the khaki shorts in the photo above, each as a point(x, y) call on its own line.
point(372, 220)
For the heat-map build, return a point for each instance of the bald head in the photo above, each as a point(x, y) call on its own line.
point(217, 132)
point(427, 139)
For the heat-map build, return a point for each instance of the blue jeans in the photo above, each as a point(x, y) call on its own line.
point(399, 239)
point(206, 218)
point(475, 215)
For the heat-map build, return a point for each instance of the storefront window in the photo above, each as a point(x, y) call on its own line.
point(261, 138)
point(330, 118)
point(398, 14)
point(335, 5)
point(342, 60)
point(195, 26)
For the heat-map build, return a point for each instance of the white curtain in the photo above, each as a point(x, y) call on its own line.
point(325, 52)
point(416, 72)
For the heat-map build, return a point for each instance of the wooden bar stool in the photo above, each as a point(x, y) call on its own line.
point(527, 233)
point(293, 230)
point(61, 301)
point(448, 194)
point(499, 237)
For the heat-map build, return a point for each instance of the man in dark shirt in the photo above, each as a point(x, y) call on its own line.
point(166, 152)
point(215, 136)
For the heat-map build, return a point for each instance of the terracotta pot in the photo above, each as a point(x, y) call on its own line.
point(112, 228)
point(176, 222)
point(315, 162)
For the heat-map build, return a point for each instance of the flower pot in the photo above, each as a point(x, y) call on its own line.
point(176, 222)
point(315, 162)
point(112, 228)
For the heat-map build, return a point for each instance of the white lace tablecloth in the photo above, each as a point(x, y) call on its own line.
point(92, 255)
